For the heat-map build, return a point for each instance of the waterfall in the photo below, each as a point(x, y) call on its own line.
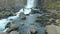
point(30, 3)
point(27, 10)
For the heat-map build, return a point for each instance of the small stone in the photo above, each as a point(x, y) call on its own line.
point(21, 24)
point(57, 20)
point(33, 31)
point(14, 32)
point(37, 21)
point(28, 32)
point(51, 19)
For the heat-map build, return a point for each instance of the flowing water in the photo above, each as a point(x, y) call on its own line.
point(27, 23)
point(3, 22)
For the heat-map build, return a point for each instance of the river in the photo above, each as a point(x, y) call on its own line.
point(27, 23)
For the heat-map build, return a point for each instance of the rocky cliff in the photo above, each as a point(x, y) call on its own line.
point(12, 3)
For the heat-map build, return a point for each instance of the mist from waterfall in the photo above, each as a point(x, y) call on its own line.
point(27, 10)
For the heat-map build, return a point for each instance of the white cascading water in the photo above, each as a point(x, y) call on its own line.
point(27, 10)
point(30, 3)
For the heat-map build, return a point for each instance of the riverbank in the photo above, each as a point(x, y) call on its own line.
point(6, 12)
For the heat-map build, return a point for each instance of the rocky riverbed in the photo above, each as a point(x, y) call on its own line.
point(30, 24)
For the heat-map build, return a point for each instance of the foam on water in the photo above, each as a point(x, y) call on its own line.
point(3, 22)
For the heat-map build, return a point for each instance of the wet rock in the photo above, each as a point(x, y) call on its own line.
point(27, 14)
point(8, 24)
point(8, 30)
point(14, 32)
point(21, 24)
point(51, 19)
point(57, 20)
point(37, 21)
point(28, 32)
point(33, 31)
point(35, 11)
point(38, 17)
point(32, 24)
point(22, 16)
point(12, 27)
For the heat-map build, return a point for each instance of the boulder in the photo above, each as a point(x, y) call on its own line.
point(22, 16)
point(12, 27)
point(14, 32)
point(52, 29)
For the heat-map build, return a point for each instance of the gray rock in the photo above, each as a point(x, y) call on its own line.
point(12, 27)
point(22, 16)
point(28, 32)
point(3, 33)
point(33, 31)
point(8, 24)
point(14, 32)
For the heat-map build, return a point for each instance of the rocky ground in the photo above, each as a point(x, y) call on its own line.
point(34, 23)
point(6, 12)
